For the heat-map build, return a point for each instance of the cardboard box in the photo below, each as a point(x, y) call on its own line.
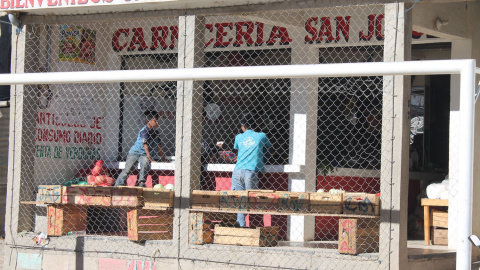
point(205, 199)
point(258, 237)
point(361, 204)
point(325, 203)
point(358, 236)
point(150, 225)
point(263, 200)
point(439, 218)
point(87, 195)
point(62, 219)
point(234, 200)
point(49, 193)
point(157, 198)
point(127, 196)
point(440, 236)
point(293, 202)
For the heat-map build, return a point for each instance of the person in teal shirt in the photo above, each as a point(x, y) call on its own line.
point(252, 149)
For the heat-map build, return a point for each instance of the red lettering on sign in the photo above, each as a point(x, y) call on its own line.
point(325, 30)
point(4, 4)
point(378, 27)
point(311, 29)
point(371, 28)
point(279, 32)
point(174, 36)
point(343, 27)
point(18, 4)
point(209, 28)
point(245, 34)
point(260, 27)
point(138, 38)
point(416, 35)
point(115, 40)
point(156, 38)
point(221, 33)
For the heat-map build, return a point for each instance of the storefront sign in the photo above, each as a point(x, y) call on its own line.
point(338, 30)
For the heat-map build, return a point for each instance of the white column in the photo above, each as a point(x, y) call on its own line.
point(21, 145)
point(461, 49)
point(303, 137)
point(189, 123)
point(395, 141)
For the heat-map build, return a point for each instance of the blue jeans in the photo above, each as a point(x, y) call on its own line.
point(130, 164)
point(242, 180)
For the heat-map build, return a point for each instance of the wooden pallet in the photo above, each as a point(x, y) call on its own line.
point(87, 195)
point(439, 219)
point(150, 225)
point(440, 236)
point(361, 204)
point(157, 198)
point(358, 235)
point(293, 202)
point(205, 199)
point(326, 203)
point(258, 237)
point(127, 196)
point(263, 200)
point(49, 193)
point(234, 200)
point(62, 219)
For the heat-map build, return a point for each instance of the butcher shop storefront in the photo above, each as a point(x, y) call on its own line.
point(329, 195)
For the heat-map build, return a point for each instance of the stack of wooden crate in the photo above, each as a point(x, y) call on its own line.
point(62, 219)
point(440, 227)
point(150, 224)
point(258, 237)
point(358, 235)
point(361, 204)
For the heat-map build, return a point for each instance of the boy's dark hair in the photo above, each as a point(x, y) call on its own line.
point(249, 120)
point(150, 114)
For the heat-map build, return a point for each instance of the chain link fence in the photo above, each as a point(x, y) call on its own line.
point(317, 201)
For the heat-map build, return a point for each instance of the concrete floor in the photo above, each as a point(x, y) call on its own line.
point(417, 249)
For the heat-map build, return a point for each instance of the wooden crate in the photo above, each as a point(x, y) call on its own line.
point(439, 218)
point(157, 198)
point(205, 199)
point(326, 203)
point(150, 225)
point(361, 204)
point(358, 236)
point(264, 200)
point(127, 196)
point(49, 193)
point(87, 195)
point(200, 229)
point(440, 236)
point(234, 200)
point(62, 219)
point(258, 237)
point(293, 202)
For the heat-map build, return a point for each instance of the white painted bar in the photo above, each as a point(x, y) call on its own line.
point(465, 165)
point(234, 73)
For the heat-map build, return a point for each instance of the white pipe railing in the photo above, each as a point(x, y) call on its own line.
point(256, 72)
point(465, 68)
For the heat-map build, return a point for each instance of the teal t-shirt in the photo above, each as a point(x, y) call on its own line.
point(252, 147)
